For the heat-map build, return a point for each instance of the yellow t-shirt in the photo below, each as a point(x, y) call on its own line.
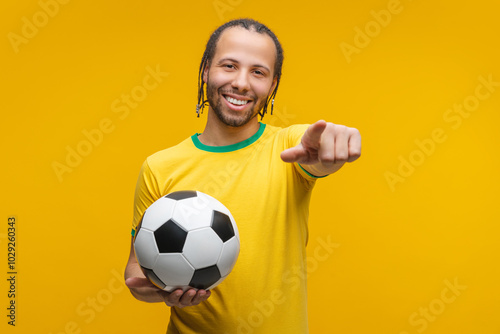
point(269, 200)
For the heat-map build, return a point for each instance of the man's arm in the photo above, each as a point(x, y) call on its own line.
point(142, 289)
point(325, 148)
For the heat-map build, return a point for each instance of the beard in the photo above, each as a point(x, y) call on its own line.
point(226, 115)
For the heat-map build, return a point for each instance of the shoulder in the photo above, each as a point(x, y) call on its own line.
point(288, 135)
point(171, 155)
point(291, 129)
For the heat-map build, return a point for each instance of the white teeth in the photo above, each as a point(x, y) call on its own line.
point(234, 101)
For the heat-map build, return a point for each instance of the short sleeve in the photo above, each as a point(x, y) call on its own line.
point(146, 192)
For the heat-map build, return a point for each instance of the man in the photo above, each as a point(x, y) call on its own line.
point(264, 175)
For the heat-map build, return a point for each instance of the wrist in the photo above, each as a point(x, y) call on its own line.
point(319, 170)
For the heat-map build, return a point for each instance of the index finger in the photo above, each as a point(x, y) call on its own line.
point(312, 136)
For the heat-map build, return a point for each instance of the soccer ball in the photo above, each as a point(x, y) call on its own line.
point(186, 239)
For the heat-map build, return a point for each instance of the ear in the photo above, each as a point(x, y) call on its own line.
point(273, 86)
point(205, 75)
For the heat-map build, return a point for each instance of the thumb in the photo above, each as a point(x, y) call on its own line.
point(293, 154)
point(310, 140)
point(138, 282)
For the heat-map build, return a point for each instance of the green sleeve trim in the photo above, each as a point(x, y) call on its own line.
point(228, 148)
point(316, 177)
point(133, 232)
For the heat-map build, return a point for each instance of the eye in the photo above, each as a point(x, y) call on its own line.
point(229, 66)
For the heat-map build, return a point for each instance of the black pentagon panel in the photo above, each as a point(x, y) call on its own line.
point(178, 195)
point(222, 225)
point(205, 277)
point(153, 278)
point(138, 227)
point(170, 238)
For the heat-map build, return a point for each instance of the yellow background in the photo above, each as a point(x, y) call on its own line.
point(398, 246)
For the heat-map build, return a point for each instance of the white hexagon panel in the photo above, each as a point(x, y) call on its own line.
point(202, 248)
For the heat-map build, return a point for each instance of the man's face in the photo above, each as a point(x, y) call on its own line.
point(240, 77)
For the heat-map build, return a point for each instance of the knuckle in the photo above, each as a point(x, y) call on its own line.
point(355, 152)
point(354, 131)
point(340, 128)
point(331, 128)
point(341, 157)
point(327, 158)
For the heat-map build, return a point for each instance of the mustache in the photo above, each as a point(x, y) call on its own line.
point(235, 92)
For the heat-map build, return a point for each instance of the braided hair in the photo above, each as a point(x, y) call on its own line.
point(209, 53)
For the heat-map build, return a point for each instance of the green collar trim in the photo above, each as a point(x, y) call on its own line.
point(228, 148)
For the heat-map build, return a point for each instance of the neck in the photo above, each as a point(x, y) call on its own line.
point(217, 133)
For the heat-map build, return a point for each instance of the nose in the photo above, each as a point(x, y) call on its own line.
point(240, 81)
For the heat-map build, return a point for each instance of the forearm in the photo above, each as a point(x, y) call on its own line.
point(145, 294)
point(140, 287)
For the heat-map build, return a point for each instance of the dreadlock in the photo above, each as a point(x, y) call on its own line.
point(209, 53)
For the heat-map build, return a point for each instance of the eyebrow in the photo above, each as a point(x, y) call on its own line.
point(235, 61)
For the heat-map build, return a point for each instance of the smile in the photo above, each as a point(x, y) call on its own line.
point(235, 101)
